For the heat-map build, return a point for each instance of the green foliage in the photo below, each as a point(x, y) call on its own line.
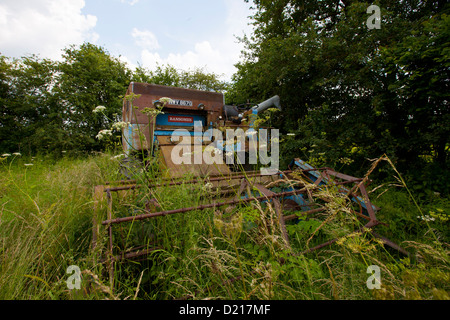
point(90, 77)
point(30, 113)
point(47, 106)
point(350, 91)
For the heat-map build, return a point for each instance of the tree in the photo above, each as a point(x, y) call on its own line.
point(30, 114)
point(90, 77)
point(420, 65)
point(7, 120)
point(360, 92)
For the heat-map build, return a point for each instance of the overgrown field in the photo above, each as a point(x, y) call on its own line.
point(46, 212)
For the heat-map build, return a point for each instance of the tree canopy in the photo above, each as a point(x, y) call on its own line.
point(47, 106)
point(347, 89)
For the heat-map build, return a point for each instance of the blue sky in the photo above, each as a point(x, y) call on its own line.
point(185, 34)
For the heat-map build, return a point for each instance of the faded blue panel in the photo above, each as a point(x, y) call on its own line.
point(128, 136)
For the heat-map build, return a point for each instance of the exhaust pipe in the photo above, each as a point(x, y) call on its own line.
point(274, 101)
point(232, 112)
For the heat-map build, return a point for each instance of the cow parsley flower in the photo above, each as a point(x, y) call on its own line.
point(120, 125)
point(151, 112)
point(165, 100)
point(99, 109)
point(103, 133)
point(207, 187)
point(426, 218)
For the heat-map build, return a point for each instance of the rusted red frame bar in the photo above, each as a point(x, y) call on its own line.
point(131, 185)
point(201, 207)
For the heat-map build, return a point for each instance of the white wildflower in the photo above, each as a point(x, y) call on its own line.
point(250, 132)
point(16, 154)
point(151, 112)
point(99, 109)
point(103, 133)
point(120, 125)
point(290, 134)
point(165, 100)
point(28, 164)
point(6, 155)
point(426, 218)
point(207, 187)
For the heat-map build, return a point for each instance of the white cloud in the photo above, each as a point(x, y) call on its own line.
point(202, 56)
point(217, 54)
point(145, 39)
point(130, 2)
point(130, 65)
point(43, 27)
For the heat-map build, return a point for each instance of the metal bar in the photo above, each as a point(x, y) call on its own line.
point(222, 178)
point(201, 207)
point(110, 243)
point(327, 243)
point(231, 177)
point(390, 243)
point(340, 175)
point(319, 246)
point(98, 196)
point(120, 182)
point(369, 207)
point(134, 254)
point(132, 187)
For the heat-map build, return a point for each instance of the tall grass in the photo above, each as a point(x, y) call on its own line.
point(46, 220)
point(235, 252)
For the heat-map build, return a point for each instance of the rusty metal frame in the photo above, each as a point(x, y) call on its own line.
point(324, 176)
